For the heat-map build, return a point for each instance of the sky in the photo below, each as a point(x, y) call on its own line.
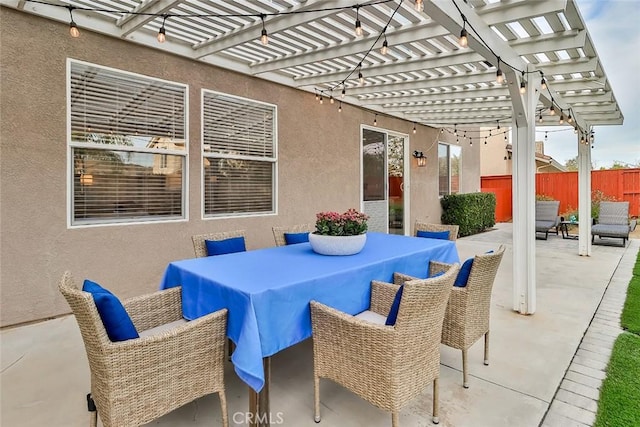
point(613, 27)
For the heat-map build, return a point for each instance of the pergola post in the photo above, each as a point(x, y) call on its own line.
point(524, 190)
point(584, 197)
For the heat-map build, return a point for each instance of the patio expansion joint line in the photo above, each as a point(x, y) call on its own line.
point(583, 335)
point(498, 384)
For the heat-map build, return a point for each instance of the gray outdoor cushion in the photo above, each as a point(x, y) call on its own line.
point(610, 230)
point(543, 226)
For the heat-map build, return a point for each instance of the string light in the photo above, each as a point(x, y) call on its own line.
point(73, 28)
point(418, 5)
point(561, 116)
point(523, 85)
point(414, 128)
point(385, 46)
point(499, 76)
point(317, 97)
point(264, 37)
point(321, 100)
point(540, 118)
point(162, 33)
point(463, 41)
point(340, 107)
point(360, 76)
point(331, 100)
point(569, 118)
point(543, 83)
point(344, 91)
point(552, 110)
point(358, 23)
point(375, 120)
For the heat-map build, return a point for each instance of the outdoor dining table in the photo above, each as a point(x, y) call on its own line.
point(267, 293)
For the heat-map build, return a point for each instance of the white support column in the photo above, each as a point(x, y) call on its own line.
point(524, 190)
point(584, 197)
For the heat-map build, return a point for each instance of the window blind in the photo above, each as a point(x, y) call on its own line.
point(127, 144)
point(239, 149)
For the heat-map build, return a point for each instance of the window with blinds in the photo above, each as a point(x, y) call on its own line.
point(128, 146)
point(239, 155)
point(449, 168)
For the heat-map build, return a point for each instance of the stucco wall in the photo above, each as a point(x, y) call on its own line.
point(318, 167)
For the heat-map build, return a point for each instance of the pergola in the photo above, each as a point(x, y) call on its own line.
point(424, 76)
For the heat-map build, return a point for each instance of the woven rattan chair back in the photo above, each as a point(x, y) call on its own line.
point(468, 310)
point(140, 380)
point(424, 226)
point(419, 325)
point(279, 232)
point(199, 246)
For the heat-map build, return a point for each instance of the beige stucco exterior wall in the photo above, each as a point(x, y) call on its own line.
point(318, 168)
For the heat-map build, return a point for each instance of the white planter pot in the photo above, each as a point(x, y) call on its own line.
point(337, 245)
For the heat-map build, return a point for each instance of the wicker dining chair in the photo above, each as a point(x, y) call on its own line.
point(386, 365)
point(467, 316)
point(200, 247)
point(133, 382)
point(279, 232)
point(425, 226)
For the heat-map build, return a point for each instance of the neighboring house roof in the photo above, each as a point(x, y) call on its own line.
point(543, 159)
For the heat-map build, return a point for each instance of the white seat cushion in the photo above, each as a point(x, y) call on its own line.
point(162, 328)
point(371, 316)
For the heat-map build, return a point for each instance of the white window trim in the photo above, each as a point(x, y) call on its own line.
point(71, 145)
point(273, 160)
point(449, 145)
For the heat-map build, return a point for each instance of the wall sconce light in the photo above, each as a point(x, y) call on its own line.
point(420, 158)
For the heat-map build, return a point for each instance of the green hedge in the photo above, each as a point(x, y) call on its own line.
point(473, 212)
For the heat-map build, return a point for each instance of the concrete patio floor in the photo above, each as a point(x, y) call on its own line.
point(45, 374)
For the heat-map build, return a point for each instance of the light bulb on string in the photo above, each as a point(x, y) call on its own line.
point(358, 23)
point(264, 37)
point(414, 127)
point(321, 100)
point(73, 28)
point(344, 91)
point(385, 45)
point(317, 97)
point(331, 100)
point(540, 118)
point(463, 41)
point(561, 117)
point(418, 5)
point(499, 76)
point(360, 78)
point(162, 33)
point(552, 110)
point(543, 84)
point(569, 118)
point(523, 85)
point(340, 107)
point(375, 120)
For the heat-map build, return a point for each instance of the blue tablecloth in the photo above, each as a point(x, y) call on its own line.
point(267, 291)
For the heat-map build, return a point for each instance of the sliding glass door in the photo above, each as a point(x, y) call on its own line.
point(383, 180)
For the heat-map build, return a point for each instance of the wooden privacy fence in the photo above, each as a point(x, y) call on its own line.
point(618, 184)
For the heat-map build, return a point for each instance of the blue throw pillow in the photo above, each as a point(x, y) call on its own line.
point(443, 235)
point(463, 274)
point(114, 317)
point(293, 238)
point(226, 246)
point(393, 313)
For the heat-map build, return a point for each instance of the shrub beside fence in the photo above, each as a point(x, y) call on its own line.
point(473, 212)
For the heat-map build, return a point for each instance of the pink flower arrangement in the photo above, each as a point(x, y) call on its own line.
point(350, 223)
